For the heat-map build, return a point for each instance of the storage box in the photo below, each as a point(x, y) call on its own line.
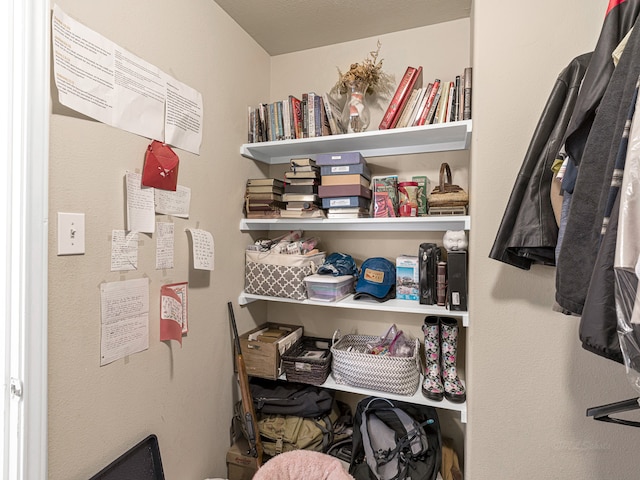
point(407, 277)
point(308, 360)
point(327, 288)
point(279, 275)
point(263, 358)
point(240, 465)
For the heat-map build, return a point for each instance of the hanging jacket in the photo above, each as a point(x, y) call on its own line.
point(581, 241)
point(528, 232)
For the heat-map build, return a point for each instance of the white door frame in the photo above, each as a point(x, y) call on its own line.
point(24, 142)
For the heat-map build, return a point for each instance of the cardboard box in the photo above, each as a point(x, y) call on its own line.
point(407, 277)
point(240, 465)
point(262, 354)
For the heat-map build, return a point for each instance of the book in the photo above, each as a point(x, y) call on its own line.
point(254, 182)
point(344, 210)
point(419, 105)
point(352, 179)
point(466, 109)
point(429, 103)
point(286, 120)
point(302, 174)
point(263, 214)
point(311, 114)
point(408, 108)
point(305, 115)
point(441, 110)
point(316, 212)
point(420, 108)
point(302, 181)
point(264, 189)
point(289, 188)
point(359, 168)
point(325, 191)
point(385, 196)
point(299, 197)
point(400, 96)
point(317, 110)
point(351, 201)
point(264, 196)
point(296, 115)
point(343, 158)
point(331, 114)
point(432, 110)
point(260, 205)
point(415, 85)
point(450, 103)
point(297, 205)
point(455, 107)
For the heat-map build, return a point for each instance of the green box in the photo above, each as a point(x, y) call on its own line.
point(424, 187)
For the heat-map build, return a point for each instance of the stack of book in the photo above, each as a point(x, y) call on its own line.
point(415, 104)
point(344, 185)
point(263, 198)
point(301, 190)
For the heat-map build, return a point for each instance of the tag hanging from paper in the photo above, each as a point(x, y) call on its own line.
point(160, 167)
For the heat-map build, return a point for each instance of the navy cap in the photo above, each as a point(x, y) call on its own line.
point(377, 280)
point(338, 264)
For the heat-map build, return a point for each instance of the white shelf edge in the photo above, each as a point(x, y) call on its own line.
point(375, 143)
point(397, 306)
point(433, 223)
point(417, 398)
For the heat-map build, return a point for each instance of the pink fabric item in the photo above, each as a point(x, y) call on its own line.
point(302, 465)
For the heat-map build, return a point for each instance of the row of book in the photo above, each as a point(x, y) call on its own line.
point(415, 104)
point(312, 115)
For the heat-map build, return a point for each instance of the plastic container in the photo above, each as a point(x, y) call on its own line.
point(327, 288)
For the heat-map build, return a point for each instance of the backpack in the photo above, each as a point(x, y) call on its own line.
point(273, 397)
point(394, 440)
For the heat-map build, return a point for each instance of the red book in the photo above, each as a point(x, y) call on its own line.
point(406, 85)
point(429, 104)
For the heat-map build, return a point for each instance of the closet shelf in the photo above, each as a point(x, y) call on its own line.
point(417, 398)
point(375, 143)
point(394, 305)
point(434, 223)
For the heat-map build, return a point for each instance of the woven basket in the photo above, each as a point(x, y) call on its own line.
point(302, 368)
point(352, 366)
point(445, 194)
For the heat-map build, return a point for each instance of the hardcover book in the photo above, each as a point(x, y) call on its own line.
point(264, 196)
point(308, 189)
point(344, 158)
point(264, 189)
point(411, 77)
point(466, 108)
point(299, 197)
point(301, 162)
point(326, 191)
point(359, 168)
point(430, 100)
point(301, 174)
point(254, 182)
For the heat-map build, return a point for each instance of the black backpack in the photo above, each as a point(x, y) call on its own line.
point(394, 440)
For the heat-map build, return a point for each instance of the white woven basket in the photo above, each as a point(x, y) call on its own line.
point(352, 366)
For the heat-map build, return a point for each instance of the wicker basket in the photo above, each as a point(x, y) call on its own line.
point(352, 366)
point(303, 368)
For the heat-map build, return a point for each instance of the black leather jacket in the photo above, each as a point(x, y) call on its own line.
point(528, 232)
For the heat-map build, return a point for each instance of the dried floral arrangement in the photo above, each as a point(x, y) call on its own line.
point(369, 71)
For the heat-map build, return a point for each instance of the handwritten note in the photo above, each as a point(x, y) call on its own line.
point(124, 250)
point(164, 245)
point(203, 249)
point(124, 319)
point(175, 203)
point(141, 213)
point(173, 312)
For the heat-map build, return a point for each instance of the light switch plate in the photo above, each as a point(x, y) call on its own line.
point(70, 233)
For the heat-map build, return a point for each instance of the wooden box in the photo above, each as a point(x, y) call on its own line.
point(263, 346)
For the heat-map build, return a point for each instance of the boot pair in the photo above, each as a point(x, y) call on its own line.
point(441, 345)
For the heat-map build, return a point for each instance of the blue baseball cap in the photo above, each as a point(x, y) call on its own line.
point(338, 264)
point(377, 280)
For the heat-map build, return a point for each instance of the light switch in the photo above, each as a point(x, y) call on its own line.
point(70, 233)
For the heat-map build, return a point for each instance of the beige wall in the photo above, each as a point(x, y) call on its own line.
point(184, 395)
point(529, 380)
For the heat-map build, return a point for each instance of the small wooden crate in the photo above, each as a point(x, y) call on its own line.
point(262, 353)
point(308, 360)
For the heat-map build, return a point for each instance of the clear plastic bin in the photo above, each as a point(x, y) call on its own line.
point(327, 288)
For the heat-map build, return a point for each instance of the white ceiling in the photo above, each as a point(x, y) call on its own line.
point(284, 26)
